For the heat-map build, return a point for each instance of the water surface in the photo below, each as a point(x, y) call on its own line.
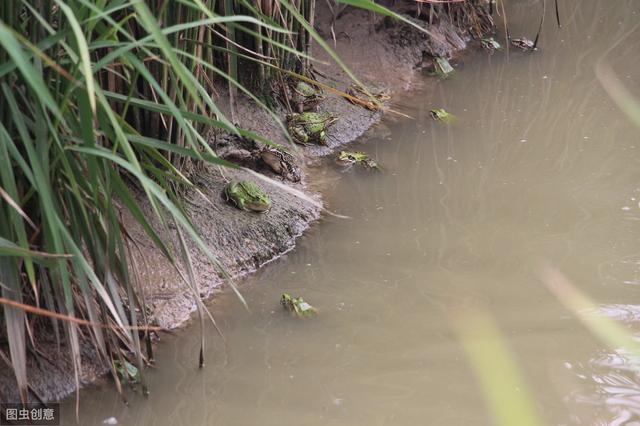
point(540, 166)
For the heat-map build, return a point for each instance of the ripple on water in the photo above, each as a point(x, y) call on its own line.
point(612, 378)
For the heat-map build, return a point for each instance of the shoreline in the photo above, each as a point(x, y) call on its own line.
point(387, 56)
point(245, 242)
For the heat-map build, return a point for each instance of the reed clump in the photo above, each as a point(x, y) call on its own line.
point(104, 103)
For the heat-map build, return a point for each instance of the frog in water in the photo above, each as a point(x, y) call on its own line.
point(439, 114)
point(297, 306)
point(524, 44)
point(127, 372)
point(349, 158)
point(308, 127)
point(442, 67)
point(490, 44)
point(281, 162)
point(246, 195)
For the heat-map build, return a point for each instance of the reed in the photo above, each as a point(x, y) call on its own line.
point(101, 101)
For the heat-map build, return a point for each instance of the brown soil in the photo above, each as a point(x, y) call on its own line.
point(386, 56)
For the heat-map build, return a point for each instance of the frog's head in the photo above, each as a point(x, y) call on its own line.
point(440, 114)
point(286, 300)
point(329, 118)
point(254, 197)
point(490, 44)
point(305, 89)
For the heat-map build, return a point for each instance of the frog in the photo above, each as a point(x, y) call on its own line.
point(439, 114)
point(281, 162)
point(306, 97)
point(127, 372)
point(490, 44)
point(358, 95)
point(524, 44)
point(246, 195)
point(297, 306)
point(349, 158)
point(309, 127)
point(443, 67)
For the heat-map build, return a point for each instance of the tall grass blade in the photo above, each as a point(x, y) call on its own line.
point(14, 322)
point(544, 12)
point(608, 331)
point(496, 369)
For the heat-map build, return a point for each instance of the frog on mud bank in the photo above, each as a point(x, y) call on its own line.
point(281, 162)
point(305, 97)
point(246, 195)
point(310, 127)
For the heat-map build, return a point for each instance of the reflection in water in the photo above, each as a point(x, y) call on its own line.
point(539, 165)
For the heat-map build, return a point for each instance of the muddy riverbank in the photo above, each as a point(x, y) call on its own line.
point(540, 166)
point(386, 56)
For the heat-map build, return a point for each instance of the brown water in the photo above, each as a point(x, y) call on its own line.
point(539, 166)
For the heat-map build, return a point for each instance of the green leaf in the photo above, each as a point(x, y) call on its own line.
point(28, 72)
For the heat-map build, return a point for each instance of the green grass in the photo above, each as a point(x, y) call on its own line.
point(102, 102)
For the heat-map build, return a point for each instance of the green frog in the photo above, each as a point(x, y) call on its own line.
point(523, 44)
point(127, 372)
point(246, 195)
point(443, 67)
point(440, 114)
point(349, 158)
point(490, 44)
point(305, 97)
point(310, 127)
point(281, 162)
point(297, 306)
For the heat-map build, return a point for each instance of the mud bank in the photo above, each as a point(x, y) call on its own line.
point(386, 56)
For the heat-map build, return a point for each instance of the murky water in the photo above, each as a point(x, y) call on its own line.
point(540, 166)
